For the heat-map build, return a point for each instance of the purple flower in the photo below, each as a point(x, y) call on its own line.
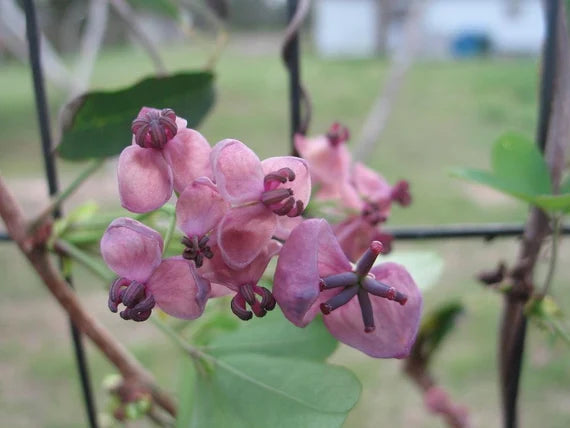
point(134, 252)
point(164, 155)
point(355, 234)
point(244, 282)
point(314, 275)
point(199, 209)
point(261, 193)
point(329, 159)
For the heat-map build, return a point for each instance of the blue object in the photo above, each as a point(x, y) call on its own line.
point(470, 44)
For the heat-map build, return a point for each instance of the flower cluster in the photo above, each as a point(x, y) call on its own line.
point(236, 213)
point(361, 196)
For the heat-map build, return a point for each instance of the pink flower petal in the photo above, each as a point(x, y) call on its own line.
point(200, 208)
point(396, 325)
point(243, 232)
point(219, 290)
point(301, 186)
point(354, 236)
point(219, 273)
point(330, 165)
point(188, 154)
point(237, 172)
point(178, 289)
point(145, 179)
point(371, 185)
point(131, 249)
point(285, 226)
point(310, 252)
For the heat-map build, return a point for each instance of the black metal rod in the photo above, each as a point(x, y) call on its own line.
point(32, 33)
point(292, 58)
point(486, 231)
point(449, 231)
point(548, 70)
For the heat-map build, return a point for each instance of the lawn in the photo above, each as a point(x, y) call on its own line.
point(447, 114)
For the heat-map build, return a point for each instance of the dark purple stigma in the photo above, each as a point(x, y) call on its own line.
point(134, 296)
point(359, 283)
point(338, 134)
point(373, 213)
point(247, 295)
point(196, 249)
point(281, 199)
point(154, 128)
point(401, 193)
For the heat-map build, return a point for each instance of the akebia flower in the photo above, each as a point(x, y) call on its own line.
point(260, 193)
point(328, 157)
point(244, 282)
point(375, 309)
point(370, 209)
point(199, 209)
point(164, 155)
point(376, 195)
point(355, 234)
point(134, 252)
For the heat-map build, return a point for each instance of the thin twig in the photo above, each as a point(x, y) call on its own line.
point(127, 14)
point(37, 255)
point(377, 118)
point(60, 197)
point(13, 30)
point(91, 41)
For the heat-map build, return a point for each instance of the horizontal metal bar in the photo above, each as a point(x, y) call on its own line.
point(486, 231)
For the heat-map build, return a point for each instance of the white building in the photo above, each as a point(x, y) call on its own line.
point(352, 27)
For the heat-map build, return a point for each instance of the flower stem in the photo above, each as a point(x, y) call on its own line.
point(178, 340)
point(59, 198)
point(169, 231)
point(85, 259)
point(553, 256)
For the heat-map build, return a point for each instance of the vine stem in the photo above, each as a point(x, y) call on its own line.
point(36, 251)
point(553, 136)
point(557, 220)
point(60, 197)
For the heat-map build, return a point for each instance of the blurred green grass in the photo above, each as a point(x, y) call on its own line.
point(447, 114)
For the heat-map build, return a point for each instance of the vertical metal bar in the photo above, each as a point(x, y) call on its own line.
point(294, 77)
point(53, 185)
point(548, 70)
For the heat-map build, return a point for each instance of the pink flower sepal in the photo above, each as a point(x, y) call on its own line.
point(134, 252)
point(244, 282)
point(314, 275)
point(199, 209)
point(164, 155)
point(260, 193)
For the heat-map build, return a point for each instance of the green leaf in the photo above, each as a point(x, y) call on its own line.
point(274, 335)
point(163, 7)
point(519, 163)
point(259, 391)
point(187, 380)
point(519, 170)
point(97, 124)
point(425, 267)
